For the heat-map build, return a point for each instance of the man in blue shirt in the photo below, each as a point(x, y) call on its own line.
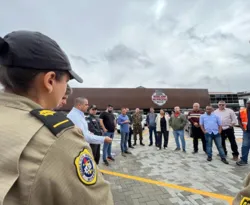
point(76, 115)
point(211, 126)
point(123, 121)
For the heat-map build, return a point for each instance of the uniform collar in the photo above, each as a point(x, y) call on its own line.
point(18, 102)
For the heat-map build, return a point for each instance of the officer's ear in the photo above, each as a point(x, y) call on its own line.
point(49, 81)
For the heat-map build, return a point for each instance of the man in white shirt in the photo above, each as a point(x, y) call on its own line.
point(228, 119)
point(76, 115)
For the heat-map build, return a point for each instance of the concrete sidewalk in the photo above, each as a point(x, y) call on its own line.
point(191, 172)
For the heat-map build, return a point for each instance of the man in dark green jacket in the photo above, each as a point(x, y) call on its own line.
point(178, 122)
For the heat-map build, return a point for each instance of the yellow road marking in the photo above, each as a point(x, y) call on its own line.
point(229, 199)
point(59, 123)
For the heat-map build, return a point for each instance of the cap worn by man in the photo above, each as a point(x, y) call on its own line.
point(44, 156)
point(92, 107)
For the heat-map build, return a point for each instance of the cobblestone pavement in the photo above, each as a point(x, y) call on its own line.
point(184, 169)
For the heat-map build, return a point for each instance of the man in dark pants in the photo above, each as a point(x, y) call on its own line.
point(228, 119)
point(151, 125)
point(95, 128)
point(130, 129)
point(194, 118)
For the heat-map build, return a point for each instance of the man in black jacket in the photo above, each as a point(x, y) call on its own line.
point(95, 128)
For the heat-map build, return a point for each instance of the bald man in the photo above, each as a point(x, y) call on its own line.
point(194, 118)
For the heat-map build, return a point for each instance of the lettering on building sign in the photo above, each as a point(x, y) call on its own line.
point(159, 98)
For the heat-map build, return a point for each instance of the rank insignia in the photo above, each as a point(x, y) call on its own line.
point(86, 168)
point(245, 201)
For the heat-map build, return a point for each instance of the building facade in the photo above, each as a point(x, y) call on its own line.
point(231, 99)
point(140, 97)
point(243, 97)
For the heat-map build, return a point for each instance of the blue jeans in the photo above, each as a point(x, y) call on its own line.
point(107, 146)
point(151, 131)
point(179, 134)
point(209, 144)
point(124, 141)
point(245, 146)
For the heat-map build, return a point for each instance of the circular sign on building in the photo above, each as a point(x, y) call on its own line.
point(159, 98)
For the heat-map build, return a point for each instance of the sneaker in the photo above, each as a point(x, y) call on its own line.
point(127, 152)
point(123, 154)
point(142, 144)
point(224, 161)
point(209, 159)
point(165, 148)
point(150, 144)
point(106, 162)
point(194, 152)
point(184, 150)
point(158, 148)
point(132, 147)
point(241, 163)
point(110, 158)
point(177, 149)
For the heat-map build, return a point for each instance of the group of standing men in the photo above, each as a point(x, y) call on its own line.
point(218, 125)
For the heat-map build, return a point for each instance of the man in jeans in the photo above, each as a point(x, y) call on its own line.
point(151, 125)
point(123, 121)
point(211, 127)
point(244, 116)
point(178, 122)
point(108, 124)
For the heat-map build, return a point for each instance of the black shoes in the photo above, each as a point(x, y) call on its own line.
point(209, 159)
point(224, 161)
point(106, 162)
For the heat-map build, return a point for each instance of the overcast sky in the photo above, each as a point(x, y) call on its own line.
point(152, 43)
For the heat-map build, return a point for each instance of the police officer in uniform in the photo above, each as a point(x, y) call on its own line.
point(243, 197)
point(95, 128)
point(44, 157)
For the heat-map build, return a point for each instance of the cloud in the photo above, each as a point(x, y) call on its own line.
point(158, 43)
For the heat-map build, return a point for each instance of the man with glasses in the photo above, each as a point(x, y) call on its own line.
point(228, 119)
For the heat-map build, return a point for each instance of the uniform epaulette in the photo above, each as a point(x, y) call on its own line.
point(54, 121)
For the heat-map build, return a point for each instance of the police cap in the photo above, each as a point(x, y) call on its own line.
point(34, 50)
point(93, 107)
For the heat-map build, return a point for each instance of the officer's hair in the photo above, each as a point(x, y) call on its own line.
point(79, 100)
point(69, 90)
point(20, 80)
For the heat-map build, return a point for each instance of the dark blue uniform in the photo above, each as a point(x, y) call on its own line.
point(95, 128)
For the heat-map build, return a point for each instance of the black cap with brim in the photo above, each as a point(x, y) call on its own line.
point(34, 50)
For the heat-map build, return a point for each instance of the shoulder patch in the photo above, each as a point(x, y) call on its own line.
point(54, 121)
point(245, 201)
point(86, 167)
